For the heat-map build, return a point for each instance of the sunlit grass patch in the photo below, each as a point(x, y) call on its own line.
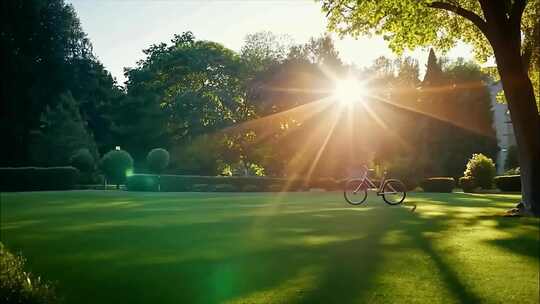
point(110, 247)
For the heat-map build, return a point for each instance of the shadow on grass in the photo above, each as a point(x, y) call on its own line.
point(448, 274)
point(210, 255)
point(520, 245)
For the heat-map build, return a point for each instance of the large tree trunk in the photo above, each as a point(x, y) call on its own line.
point(519, 94)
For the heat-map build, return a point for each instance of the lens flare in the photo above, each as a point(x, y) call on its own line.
point(349, 90)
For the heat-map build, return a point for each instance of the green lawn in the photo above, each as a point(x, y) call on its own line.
point(122, 247)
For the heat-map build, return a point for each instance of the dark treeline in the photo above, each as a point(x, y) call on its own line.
point(262, 111)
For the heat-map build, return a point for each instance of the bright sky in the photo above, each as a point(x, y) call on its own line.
point(121, 29)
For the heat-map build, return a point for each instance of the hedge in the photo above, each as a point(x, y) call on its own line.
point(180, 183)
point(438, 184)
point(251, 188)
point(508, 182)
point(143, 182)
point(225, 188)
point(275, 188)
point(37, 178)
point(328, 184)
point(200, 188)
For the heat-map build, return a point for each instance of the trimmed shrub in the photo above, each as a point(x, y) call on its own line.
point(142, 182)
point(508, 182)
point(83, 160)
point(438, 184)
point(157, 160)
point(467, 184)
point(251, 188)
point(36, 178)
point(20, 286)
point(200, 188)
point(116, 164)
point(482, 169)
point(224, 188)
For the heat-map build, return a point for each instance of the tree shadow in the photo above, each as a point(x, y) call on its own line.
point(452, 281)
point(223, 258)
point(521, 245)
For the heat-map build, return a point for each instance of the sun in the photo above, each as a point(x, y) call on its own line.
point(348, 90)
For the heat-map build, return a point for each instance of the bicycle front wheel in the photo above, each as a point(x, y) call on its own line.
point(394, 192)
point(355, 192)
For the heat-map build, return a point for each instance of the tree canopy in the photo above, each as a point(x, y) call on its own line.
point(46, 55)
point(507, 29)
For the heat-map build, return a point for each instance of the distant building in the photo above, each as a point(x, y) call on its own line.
point(502, 125)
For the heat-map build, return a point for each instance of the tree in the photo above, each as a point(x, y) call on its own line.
point(97, 94)
point(264, 49)
point(241, 149)
point(116, 164)
point(46, 54)
point(318, 51)
point(497, 29)
point(157, 160)
point(180, 91)
point(62, 132)
point(199, 156)
point(40, 40)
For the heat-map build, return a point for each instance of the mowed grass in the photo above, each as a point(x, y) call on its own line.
point(122, 247)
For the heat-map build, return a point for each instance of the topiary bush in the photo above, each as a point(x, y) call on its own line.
point(116, 165)
point(83, 160)
point(482, 169)
point(157, 160)
point(438, 184)
point(20, 286)
point(508, 182)
point(467, 183)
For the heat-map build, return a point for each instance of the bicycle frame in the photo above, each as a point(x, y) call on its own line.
point(365, 180)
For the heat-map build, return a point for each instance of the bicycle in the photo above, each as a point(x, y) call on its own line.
point(392, 190)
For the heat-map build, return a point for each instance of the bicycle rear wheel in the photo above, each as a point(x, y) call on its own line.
point(355, 192)
point(394, 192)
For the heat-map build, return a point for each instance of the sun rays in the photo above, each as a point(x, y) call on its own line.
point(349, 90)
point(343, 123)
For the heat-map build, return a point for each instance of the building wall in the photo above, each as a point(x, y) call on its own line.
point(502, 125)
